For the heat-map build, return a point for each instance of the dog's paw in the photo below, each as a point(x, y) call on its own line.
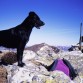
point(21, 64)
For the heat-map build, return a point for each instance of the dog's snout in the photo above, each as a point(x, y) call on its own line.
point(43, 23)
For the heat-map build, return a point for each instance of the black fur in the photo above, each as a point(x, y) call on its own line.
point(18, 36)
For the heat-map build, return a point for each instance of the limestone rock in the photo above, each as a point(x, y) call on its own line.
point(34, 72)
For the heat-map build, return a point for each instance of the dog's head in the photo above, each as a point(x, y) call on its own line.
point(36, 20)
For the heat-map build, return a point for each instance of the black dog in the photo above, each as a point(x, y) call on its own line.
point(18, 36)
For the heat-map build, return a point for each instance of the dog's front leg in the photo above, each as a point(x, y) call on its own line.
point(20, 50)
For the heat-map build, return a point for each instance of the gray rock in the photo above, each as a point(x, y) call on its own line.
point(34, 72)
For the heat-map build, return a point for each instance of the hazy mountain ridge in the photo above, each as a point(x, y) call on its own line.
point(37, 47)
point(64, 48)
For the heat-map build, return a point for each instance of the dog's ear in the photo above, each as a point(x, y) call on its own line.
point(31, 13)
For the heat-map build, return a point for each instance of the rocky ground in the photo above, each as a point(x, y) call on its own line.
point(34, 72)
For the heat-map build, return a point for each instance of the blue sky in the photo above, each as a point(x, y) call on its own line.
point(62, 19)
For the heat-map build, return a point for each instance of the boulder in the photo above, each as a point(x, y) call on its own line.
point(3, 75)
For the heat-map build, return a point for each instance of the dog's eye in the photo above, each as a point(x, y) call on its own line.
point(36, 17)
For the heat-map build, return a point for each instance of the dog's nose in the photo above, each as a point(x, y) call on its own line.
point(43, 23)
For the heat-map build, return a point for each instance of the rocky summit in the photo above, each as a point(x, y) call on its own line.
point(34, 72)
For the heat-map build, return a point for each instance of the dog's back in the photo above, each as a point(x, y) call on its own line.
point(8, 39)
